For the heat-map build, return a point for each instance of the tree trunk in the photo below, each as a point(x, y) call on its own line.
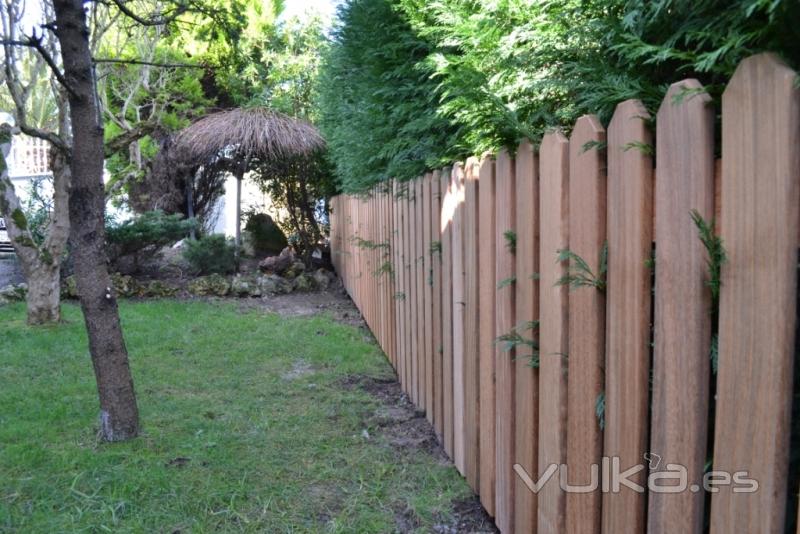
point(41, 264)
point(119, 416)
point(44, 295)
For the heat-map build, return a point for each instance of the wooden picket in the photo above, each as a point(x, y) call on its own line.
point(458, 307)
point(504, 252)
point(553, 327)
point(760, 200)
point(471, 395)
point(428, 264)
point(486, 288)
point(446, 253)
point(628, 293)
point(436, 306)
point(526, 390)
point(682, 329)
point(586, 361)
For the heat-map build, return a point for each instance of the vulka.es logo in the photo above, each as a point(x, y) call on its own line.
point(673, 479)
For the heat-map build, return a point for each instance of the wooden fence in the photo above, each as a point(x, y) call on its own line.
point(460, 275)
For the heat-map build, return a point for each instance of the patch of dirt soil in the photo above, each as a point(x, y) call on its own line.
point(468, 516)
point(405, 429)
point(333, 300)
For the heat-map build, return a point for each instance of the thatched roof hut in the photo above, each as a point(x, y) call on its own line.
point(257, 133)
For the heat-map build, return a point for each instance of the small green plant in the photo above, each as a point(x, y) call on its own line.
point(589, 145)
point(644, 148)
point(511, 240)
point(716, 258)
point(146, 234)
point(600, 410)
point(514, 339)
point(507, 282)
point(213, 254)
point(385, 268)
point(716, 253)
point(367, 244)
point(579, 274)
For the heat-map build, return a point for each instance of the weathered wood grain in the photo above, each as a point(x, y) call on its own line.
point(760, 199)
point(553, 311)
point(587, 237)
point(487, 292)
point(436, 284)
point(457, 243)
point(527, 311)
point(628, 298)
point(505, 292)
point(446, 228)
point(427, 285)
point(682, 329)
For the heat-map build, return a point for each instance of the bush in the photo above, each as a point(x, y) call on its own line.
point(143, 236)
point(414, 84)
point(211, 254)
point(265, 235)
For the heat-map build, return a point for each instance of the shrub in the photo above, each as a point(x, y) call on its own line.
point(264, 234)
point(143, 236)
point(211, 254)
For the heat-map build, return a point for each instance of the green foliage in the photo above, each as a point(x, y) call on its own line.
point(37, 208)
point(717, 257)
point(146, 234)
point(376, 101)
point(487, 74)
point(600, 410)
point(265, 236)
point(506, 282)
point(716, 254)
point(213, 254)
point(18, 216)
point(514, 340)
point(511, 240)
point(579, 274)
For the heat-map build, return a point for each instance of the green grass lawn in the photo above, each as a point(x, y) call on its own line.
point(246, 427)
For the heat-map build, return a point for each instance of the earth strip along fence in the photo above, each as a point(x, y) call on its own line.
point(573, 305)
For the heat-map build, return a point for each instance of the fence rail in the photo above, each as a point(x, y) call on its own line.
point(573, 305)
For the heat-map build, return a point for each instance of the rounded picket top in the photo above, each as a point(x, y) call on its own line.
point(588, 125)
point(629, 110)
point(752, 71)
point(688, 92)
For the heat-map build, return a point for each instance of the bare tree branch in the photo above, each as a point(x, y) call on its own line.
point(150, 63)
point(35, 42)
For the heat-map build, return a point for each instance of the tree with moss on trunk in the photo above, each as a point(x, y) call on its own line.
point(40, 110)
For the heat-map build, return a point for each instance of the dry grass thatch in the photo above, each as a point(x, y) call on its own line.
point(250, 132)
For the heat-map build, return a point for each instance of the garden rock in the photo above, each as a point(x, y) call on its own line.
point(158, 289)
point(274, 285)
point(124, 286)
point(297, 268)
point(278, 264)
point(321, 279)
point(304, 283)
point(243, 286)
point(13, 293)
point(69, 288)
point(212, 285)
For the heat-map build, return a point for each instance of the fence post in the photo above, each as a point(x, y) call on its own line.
point(628, 308)
point(760, 199)
point(527, 307)
point(586, 362)
point(553, 311)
